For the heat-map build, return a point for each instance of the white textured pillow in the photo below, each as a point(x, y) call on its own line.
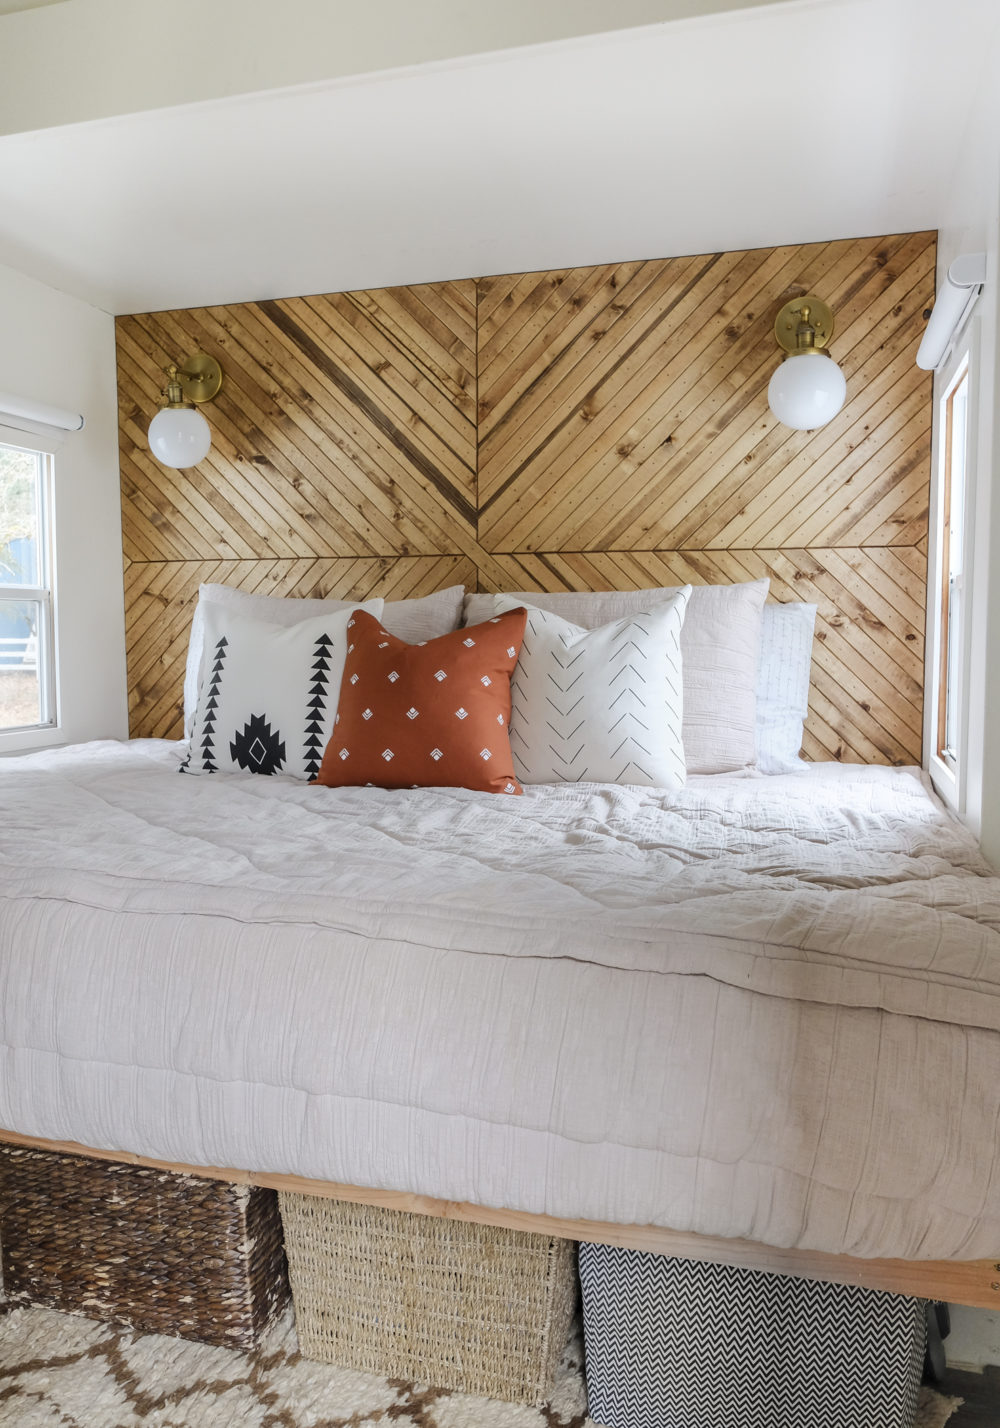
point(783, 686)
point(422, 618)
point(720, 643)
point(602, 705)
point(269, 694)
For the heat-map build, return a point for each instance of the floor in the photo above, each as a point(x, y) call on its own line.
point(981, 1392)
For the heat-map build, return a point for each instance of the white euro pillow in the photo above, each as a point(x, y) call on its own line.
point(602, 705)
point(783, 685)
point(720, 643)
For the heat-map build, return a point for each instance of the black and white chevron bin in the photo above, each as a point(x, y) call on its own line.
point(671, 1343)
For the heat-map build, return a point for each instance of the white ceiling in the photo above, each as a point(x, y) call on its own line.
point(809, 121)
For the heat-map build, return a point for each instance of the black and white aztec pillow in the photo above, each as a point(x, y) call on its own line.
point(603, 705)
point(671, 1343)
point(268, 693)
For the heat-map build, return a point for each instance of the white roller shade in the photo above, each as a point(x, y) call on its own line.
point(14, 409)
point(951, 307)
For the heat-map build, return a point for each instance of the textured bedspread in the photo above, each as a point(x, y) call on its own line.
point(766, 1008)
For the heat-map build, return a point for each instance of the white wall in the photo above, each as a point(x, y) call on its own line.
point(59, 350)
point(67, 63)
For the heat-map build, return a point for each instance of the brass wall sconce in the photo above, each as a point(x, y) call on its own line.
point(179, 436)
point(808, 389)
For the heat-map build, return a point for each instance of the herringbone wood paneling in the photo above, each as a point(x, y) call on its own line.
point(635, 415)
point(590, 428)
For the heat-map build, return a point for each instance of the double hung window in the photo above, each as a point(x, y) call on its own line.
point(954, 415)
point(27, 615)
point(949, 587)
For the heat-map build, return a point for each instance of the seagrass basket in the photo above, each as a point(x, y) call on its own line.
point(154, 1250)
point(461, 1306)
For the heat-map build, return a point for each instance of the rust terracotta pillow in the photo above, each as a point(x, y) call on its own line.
point(429, 715)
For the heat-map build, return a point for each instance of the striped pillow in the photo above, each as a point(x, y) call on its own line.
point(604, 705)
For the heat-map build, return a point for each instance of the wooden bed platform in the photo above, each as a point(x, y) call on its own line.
point(974, 1282)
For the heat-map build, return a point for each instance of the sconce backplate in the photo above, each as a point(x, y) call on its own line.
point(200, 378)
point(788, 319)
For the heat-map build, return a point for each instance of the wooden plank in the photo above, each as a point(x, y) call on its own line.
point(972, 1282)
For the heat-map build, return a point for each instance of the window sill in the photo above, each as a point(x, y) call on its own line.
point(28, 741)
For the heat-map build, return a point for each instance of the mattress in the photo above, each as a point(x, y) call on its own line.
point(760, 1007)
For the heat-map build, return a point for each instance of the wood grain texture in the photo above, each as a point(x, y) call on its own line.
point(588, 428)
point(974, 1282)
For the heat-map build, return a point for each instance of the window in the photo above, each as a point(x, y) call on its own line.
point(949, 610)
point(27, 683)
point(954, 413)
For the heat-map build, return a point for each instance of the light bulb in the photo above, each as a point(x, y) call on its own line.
point(806, 391)
point(179, 437)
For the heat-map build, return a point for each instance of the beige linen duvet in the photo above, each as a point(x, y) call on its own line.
point(766, 1008)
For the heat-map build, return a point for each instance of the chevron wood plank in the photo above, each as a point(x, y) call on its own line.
point(578, 293)
point(320, 427)
point(832, 465)
point(873, 273)
point(498, 296)
point(726, 273)
point(448, 405)
point(901, 513)
point(336, 483)
point(580, 424)
point(628, 437)
point(554, 371)
point(884, 449)
point(323, 427)
point(413, 320)
point(830, 462)
point(566, 371)
point(247, 507)
point(375, 429)
point(401, 389)
point(241, 509)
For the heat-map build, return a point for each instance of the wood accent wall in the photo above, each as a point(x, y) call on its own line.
point(590, 428)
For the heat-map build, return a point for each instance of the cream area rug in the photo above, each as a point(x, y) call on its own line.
point(62, 1371)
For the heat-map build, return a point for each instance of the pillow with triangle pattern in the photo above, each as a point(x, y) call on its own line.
point(600, 706)
point(268, 695)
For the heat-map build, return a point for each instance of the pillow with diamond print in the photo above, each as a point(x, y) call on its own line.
point(603, 705)
point(268, 696)
point(430, 715)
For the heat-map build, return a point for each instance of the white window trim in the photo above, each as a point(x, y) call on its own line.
point(40, 736)
point(951, 783)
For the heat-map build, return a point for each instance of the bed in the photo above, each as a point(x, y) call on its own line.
point(756, 1019)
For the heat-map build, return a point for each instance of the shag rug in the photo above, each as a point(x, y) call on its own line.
point(62, 1371)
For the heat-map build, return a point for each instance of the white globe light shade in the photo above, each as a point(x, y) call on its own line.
point(806, 391)
point(179, 437)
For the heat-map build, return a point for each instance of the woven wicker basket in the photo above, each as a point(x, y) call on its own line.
point(157, 1251)
point(467, 1307)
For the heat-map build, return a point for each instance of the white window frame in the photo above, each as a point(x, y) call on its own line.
point(950, 776)
point(48, 730)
